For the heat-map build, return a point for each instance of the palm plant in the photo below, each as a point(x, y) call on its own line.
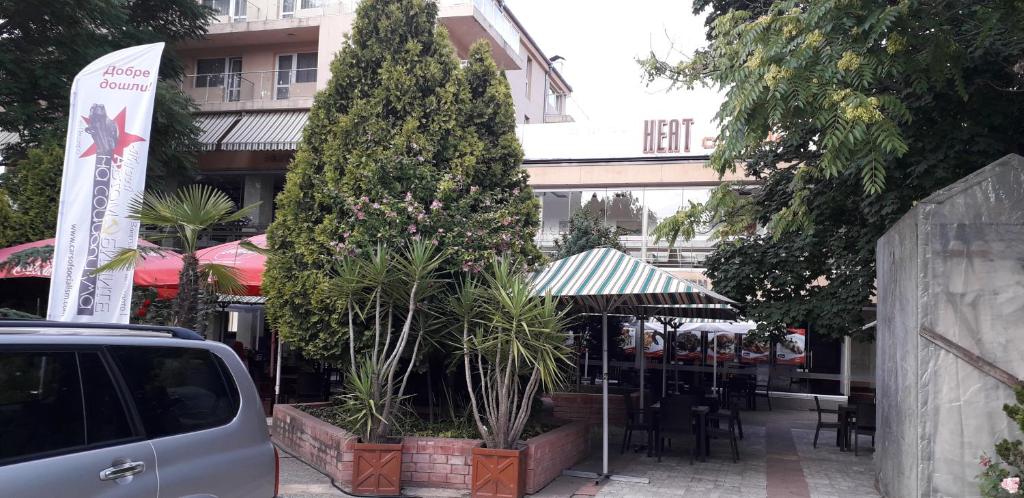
point(184, 216)
point(387, 295)
point(513, 343)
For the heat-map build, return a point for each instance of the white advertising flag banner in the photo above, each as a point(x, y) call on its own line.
point(104, 170)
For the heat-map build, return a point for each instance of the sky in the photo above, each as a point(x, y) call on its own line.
point(601, 40)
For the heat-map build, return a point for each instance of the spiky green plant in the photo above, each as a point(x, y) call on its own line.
point(513, 343)
point(387, 296)
point(184, 216)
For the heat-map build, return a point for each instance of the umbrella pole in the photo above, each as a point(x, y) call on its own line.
point(641, 349)
point(664, 359)
point(604, 393)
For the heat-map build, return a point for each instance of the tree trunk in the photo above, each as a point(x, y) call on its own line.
point(186, 303)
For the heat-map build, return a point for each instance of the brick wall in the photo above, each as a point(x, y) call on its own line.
point(323, 446)
point(586, 407)
point(433, 462)
point(550, 453)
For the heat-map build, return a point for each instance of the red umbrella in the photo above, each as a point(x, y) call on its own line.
point(160, 271)
point(249, 264)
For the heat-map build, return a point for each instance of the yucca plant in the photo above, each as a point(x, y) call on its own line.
point(388, 297)
point(185, 215)
point(513, 344)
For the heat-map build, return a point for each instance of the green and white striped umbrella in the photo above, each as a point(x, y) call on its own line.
point(605, 279)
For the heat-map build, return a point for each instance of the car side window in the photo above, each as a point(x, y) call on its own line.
point(40, 404)
point(105, 417)
point(177, 390)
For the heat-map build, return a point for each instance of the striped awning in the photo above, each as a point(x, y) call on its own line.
point(233, 299)
point(214, 127)
point(697, 312)
point(7, 138)
point(269, 130)
point(605, 279)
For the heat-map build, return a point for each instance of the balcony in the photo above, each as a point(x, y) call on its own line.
point(243, 22)
point(253, 90)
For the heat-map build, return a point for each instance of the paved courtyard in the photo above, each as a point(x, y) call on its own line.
point(776, 460)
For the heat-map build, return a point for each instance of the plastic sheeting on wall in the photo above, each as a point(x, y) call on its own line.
point(954, 264)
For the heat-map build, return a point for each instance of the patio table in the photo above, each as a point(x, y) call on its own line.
point(846, 414)
point(701, 412)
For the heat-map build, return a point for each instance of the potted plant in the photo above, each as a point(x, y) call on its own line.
point(387, 296)
point(513, 344)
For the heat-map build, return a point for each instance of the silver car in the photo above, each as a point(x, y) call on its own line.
point(119, 410)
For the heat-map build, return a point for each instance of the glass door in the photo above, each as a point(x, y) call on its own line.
point(233, 89)
point(283, 81)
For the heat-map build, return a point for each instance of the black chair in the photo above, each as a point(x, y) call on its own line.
point(732, 412)
point(739, 388)
point(676, 422)
point(822, 424)
point(636, 420)
point(717, 431)
point(864, 424)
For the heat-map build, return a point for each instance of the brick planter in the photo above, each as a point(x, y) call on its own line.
point(426, 462)
point(437, 462)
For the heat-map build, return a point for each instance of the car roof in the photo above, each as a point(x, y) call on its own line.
point(45, 327)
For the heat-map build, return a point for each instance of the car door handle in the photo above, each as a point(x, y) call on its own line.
point(121, 469)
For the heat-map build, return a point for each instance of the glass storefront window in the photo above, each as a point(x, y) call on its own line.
point(625, 211)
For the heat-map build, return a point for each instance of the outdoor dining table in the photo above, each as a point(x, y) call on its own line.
point(701, 412)
point(846, 415)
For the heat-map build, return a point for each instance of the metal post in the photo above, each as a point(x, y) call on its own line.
point(664, 359)
point(604, 393)
point(641, 349)
point(277, 375)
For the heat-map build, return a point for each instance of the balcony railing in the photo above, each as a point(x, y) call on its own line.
point(251, 86)
point(501, 22)
point(247, 10)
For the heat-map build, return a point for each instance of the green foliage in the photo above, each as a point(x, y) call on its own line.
point(586, 231)
point(1011, 454)
point(513, 344)
point(9, 314)
point(389, 302)
point(43, 45)
point(183, 216)
point(848, 112)
point(32, 191)
point(401, 145)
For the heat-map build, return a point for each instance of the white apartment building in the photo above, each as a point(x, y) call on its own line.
point(255, 74)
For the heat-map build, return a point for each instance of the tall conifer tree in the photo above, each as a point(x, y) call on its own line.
point(394, 150)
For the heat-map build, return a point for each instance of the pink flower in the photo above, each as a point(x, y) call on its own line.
point(360, 215)
point(985, 461)
point(1011, 485)
point(436, 204)
point(364, 199)
point(376, 205)
point(412, 228)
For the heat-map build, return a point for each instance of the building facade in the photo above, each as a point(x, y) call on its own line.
point(256, 72)
point(631, 174)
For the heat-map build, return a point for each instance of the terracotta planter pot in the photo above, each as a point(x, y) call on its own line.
point(377, 469)
point(499, 473)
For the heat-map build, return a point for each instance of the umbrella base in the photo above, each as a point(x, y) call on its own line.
point(598, 478)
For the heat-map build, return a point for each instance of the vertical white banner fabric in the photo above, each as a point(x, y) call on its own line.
point(104, 170)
